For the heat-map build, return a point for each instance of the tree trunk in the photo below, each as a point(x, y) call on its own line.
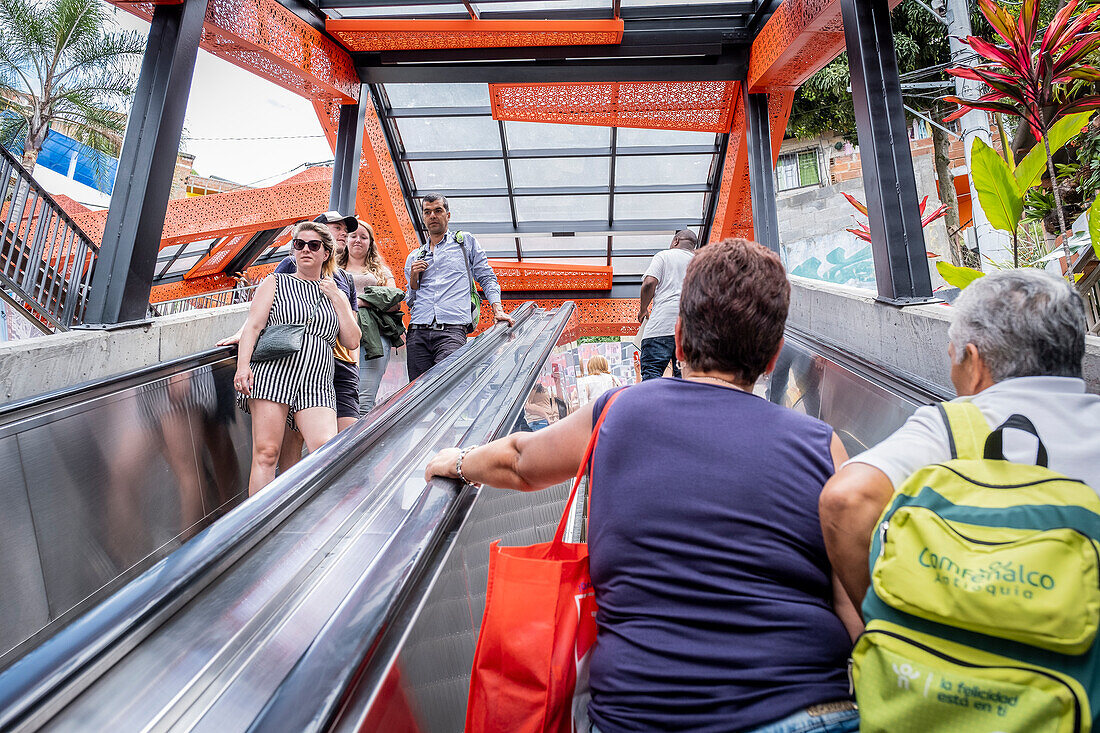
point(941, 145)
point(30, 158)
point(1058, 208)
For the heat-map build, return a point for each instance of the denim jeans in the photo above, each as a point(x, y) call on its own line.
point(371, 372)
point(845, 721)
point(427, 348)
point(657, 352)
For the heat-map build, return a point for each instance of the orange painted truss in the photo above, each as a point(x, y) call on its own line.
point(371, 35)
point(800, 38)
point(263, 37)
point(534, 276)
point(703, 106)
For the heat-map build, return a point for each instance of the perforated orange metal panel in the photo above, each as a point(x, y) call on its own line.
point(595, 317)
point(188, 288)
point(265, 38)
point(232, 212)
point(703, 106)
point(514, 275)
point(733, 213)
point(215, 261)
point(403, 35)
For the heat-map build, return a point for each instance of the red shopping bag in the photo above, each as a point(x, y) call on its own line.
point(530, 672)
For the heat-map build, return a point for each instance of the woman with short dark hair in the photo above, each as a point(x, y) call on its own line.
point(718, 610)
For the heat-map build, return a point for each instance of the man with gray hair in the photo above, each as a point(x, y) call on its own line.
point(1017, 343)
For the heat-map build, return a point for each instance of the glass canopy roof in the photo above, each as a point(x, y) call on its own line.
point(544, 192)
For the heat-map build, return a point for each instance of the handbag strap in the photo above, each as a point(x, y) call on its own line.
point(559, 535)
point(317, 305)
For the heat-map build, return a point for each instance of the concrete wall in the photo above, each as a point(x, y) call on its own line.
point(813, 220)
point(33, 366)
point(912, 340)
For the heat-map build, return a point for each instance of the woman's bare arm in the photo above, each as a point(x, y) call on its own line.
point(523, 461)
point(843, 606)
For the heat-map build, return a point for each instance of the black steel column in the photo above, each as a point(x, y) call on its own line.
point(131, 239)
point(349, 149)
point(765, 220)
point(897, 238)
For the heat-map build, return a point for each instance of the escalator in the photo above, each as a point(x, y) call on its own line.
point(348, 594)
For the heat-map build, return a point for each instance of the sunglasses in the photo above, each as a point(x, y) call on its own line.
point(300, 244)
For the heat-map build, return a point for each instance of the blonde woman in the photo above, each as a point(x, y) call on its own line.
point(374, 283)
point(598, 381)
point(300, 383)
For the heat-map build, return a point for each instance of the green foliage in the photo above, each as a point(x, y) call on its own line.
point(958, 277)
point(59, 64)
point(824, 105)
point(1031, 168)
point(998, 192)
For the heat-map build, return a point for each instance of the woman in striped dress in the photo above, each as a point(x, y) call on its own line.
point(300, 384)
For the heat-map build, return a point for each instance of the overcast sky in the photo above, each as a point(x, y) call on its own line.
point(229, 102)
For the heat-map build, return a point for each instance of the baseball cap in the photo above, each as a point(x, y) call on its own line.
point(331, 217)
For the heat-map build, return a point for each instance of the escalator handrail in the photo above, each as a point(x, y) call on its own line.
point(309, 696)
point(31, 407)
point(63, 660)
point(900, 382)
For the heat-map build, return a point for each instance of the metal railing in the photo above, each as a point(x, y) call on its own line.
point(46, 261)
point(206, 300)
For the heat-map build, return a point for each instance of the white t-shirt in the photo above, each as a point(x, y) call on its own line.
point(594, 385)
point(1065, 416)
point(669, 268)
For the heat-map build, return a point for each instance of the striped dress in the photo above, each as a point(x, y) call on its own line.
point(303, 379)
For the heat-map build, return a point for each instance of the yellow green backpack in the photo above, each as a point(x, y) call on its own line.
point(985, 595)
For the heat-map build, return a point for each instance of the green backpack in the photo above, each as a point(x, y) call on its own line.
point(985, 595)
point(475, 299)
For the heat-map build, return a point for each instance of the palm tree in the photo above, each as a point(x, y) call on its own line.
point(60, 66)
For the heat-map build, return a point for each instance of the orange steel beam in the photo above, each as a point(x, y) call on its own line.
point(733, 214)
point(263, 37)
point(703, 106)
point(800, 38)
point(370, 35)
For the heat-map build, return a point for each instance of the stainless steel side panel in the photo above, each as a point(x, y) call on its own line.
point(222, 657)
point(23, 602)
point(96, 491)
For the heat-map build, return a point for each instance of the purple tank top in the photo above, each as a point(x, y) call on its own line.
point(713, 586)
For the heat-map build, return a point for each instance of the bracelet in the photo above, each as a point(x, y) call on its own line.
point(458, 464)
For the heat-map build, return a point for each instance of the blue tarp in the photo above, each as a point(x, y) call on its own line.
point(57, 153)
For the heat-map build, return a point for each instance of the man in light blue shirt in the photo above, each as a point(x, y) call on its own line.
point(438, 294)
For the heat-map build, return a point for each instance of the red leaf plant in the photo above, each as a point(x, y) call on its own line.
point(863, 231)
point(1037, 79)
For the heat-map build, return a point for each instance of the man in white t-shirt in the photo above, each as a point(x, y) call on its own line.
point(1017, 343)
point(661, 304)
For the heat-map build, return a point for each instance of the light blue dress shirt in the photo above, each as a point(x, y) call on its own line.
point(444, 293)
